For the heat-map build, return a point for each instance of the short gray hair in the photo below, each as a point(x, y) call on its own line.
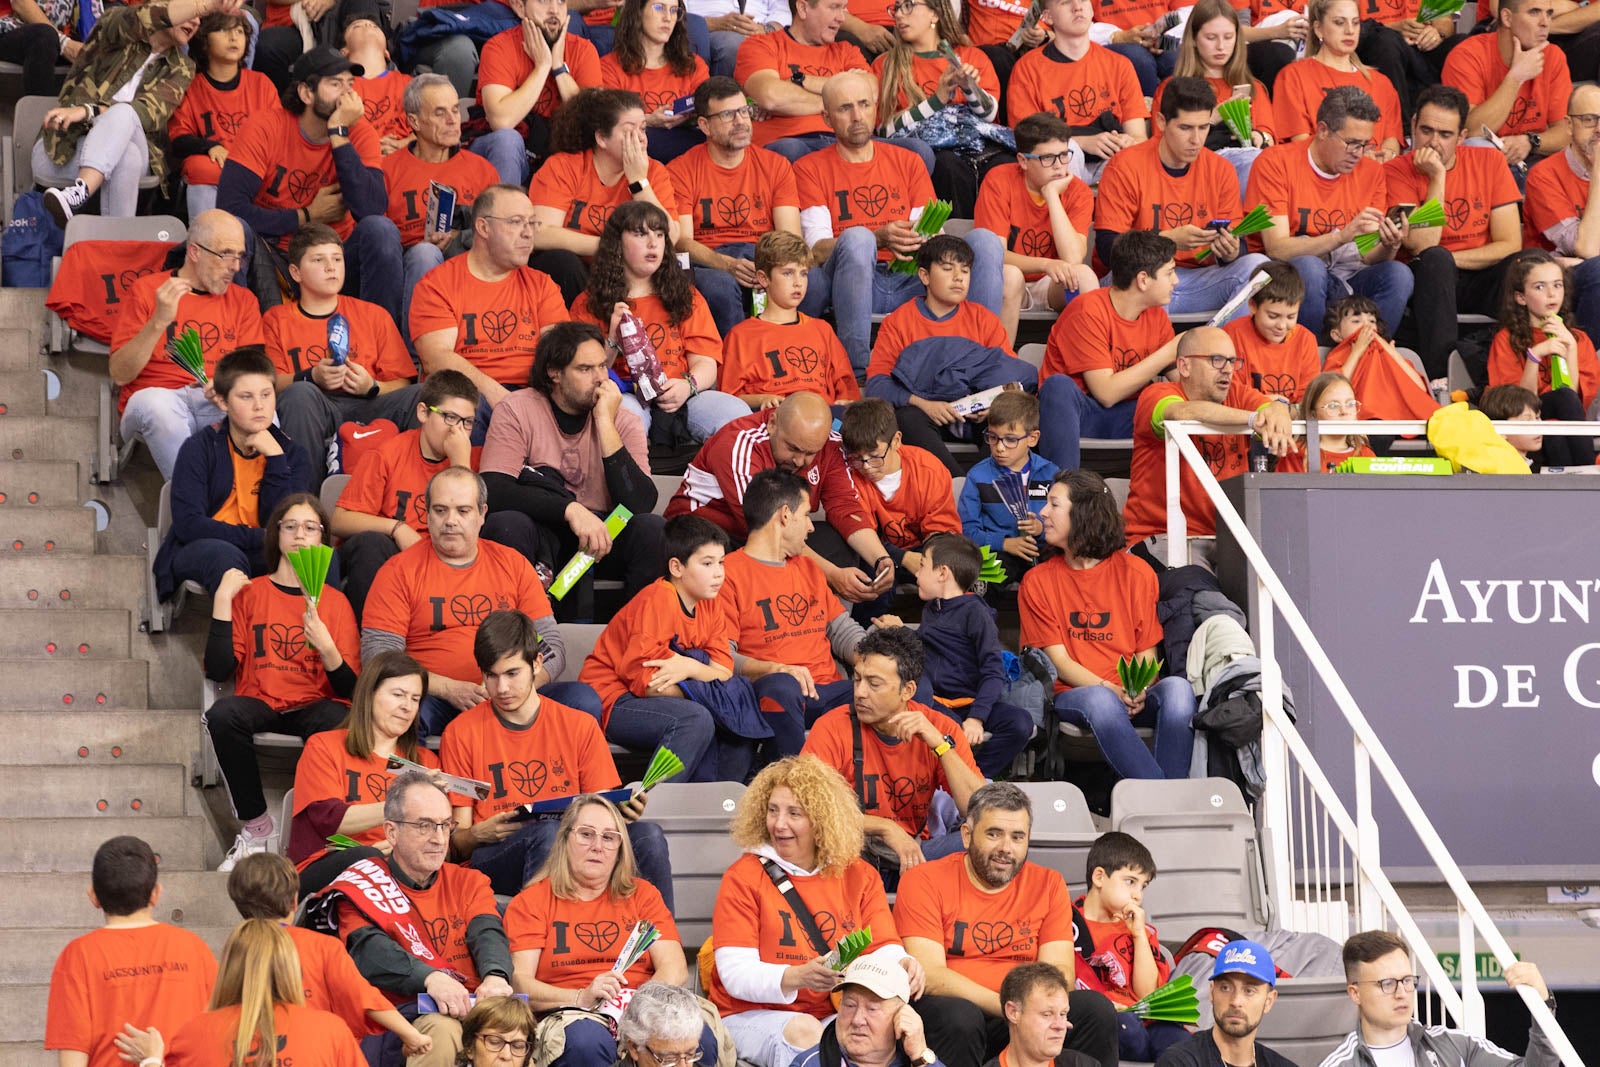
point(998, 796)
point(659, 1010)
point(411, 99)
point(394, 802)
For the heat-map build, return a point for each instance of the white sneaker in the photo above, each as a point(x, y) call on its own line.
point(245, 844)
point(61, 203)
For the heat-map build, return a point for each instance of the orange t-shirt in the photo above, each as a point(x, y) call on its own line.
point(1294, 461)
point(569, 183)
point(579, 940)
point(897, 777)
point(94, 278)
point(912, 322)
point(1076, 91)
point(1298, 93)
point(503, 61)
point(151, 976)
point(1098, 614)
point(928, 68)
point(217, 115)
point(738, 202)
point(406, 178)
point(1109, 968)
point(803, 356)
point(392, 479)
point(1005, 206)
point(242, 506)
point(327, 771)
point(445, 909)
point(1261, 109)
point(1137, 193)
point(881, 190)
point(925, 503)
point(1285, 181)
point(274, 664)
point(307, 1037)
point(291, 168)
point(1478, 183)
point(1505, 366)
point(1090, 335)
point(297, 341)
point(382, 102)
point(1555, 195)
point(497, 324)
point(984, 935)
point(644, 630)
point(1278, 370)
point(1145, 513)
point(780, 613)
point(1387, 386)
point(333, 984)
point(779, 51)
point(1126, 14)
point(225, 321)
point(1476, 68)
point(562, 753)
point(437, 607)
point(751, 913)
point(695, 335)
point(657, 87)
point(994, 21)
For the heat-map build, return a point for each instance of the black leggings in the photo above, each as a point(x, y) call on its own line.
point(37, 48)
point(1564, 405)
point(234, 721)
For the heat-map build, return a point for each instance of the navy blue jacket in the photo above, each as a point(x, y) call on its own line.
point(985, 519)
point(961, 652)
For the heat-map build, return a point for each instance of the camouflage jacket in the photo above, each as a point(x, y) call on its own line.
point(119, 45)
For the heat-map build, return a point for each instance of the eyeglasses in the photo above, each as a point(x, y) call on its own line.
point(496, 1043)
point(1352, 406)
point(866, 462)
point(518, 222)
point(675, 1059)
point(904, 7)
point(587, 836)
point(731, 113)
point(667, 9)
point(427, 827)
point(1356, 148)
point(1584, 122)
point(1049, 159)
point(227, 257)
point(1004, 439)
point(1389, 985)
point(452, 420)
point(1219, 361)
point(300, 527)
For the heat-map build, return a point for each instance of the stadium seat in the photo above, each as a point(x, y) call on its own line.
point(332, 486)
point(579, 638)
point(157, 614)
point(1032, 353)
point(1460, 378)
point(1311, 1017)
point(285, 817)
point(694, 816)
point(1119, 491)
point(1062, 831)
point(958, 227)
point(666, 486)
point(1203, 839)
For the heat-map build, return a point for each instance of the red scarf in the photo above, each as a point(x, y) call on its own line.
point(373, 892)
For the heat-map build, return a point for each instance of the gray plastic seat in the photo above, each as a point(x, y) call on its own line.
point(694, 816)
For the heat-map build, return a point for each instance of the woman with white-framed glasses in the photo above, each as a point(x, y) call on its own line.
point(1328, 396)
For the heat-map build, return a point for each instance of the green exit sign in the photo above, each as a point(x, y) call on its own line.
point(1485, 964)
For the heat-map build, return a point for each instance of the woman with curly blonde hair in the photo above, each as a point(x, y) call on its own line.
point(801, 831)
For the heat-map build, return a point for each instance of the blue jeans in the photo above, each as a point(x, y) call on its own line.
point(1144, 1042)
point(1150, 68)
point(373, 267)
point(792, 148)
point(1009, 728)
point(858, 287)
point(644, 724)
point(512, 863)
point(165, 419)
point(724, 51)
point(1208, 288)
point(1389, 284)
point(507, 151)
point(1169, 706)
point(1067, 414)
point(437, 713)
point(723, 294)
point(589, 1044)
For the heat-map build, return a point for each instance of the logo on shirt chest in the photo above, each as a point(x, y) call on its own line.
point(656, 99)
point(376, 785)
point(299, 185)
point(1525, 109)
point(1218, 451)
point(309, 356)
point(899, 792)
point(1278, 384)
point(1459, 209)
point(827, 925)
point(287, 643)
point(585, 215)
point(1031, 242)
point(1123, 358)
point(1089, 626)
point(1314, 222)
point(465, 609)
point(1083, 102)
point(221, 122)
point(987, 938)
point(117, 283)
point(375, 109)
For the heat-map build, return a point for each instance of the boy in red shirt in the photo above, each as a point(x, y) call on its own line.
point(1107, 347)
point(531, 748)
point(648, 650)
point(1280, 355)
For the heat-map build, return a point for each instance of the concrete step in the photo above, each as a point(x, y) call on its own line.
point(95, 790)
point(60, 900)
point(22, 392)
point(22, 1027)
point(46, 483)
point(31, 954)
point(47, 437)
point(88, 686)
point(43, 531)
point(50, 738)
point(111, 582)
point(69, 844)
point(64, 635)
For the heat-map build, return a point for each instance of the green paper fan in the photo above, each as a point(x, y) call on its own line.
point(1257, 220)
point(1175, 1002)
point(1136, 675)
point(1430, 213)
point(1438, 9)
point(992, 572)
point(1236, 114)
point(663, 765)
point(339, 842)
point(311, 567)
point(934, 215)
point(849, 947)
point(187, 352)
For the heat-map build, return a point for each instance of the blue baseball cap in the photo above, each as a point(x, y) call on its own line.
point(1246, 957)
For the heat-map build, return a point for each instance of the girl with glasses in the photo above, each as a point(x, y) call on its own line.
point(293, 664)
point(654, 58)
point(1328, 396)
point(568, 926)
point(1331, 60)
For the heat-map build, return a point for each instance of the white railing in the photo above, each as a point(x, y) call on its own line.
point(1298, 835)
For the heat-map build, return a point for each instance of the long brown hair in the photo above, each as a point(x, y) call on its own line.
point(897, 61)
point(271, 550)
point(558, 868)
point(259, 970)
point(608, 274)
point(359, 738)
point(1514, 317)
point(1237, 70)
point(1316, 11)
point(629, 47)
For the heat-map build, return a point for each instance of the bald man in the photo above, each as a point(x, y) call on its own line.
point(795, 436)
point(1563, 206)
point(159, 401)
point(1209, 389)
point(858, 202)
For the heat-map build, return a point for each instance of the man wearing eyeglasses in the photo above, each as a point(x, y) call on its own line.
point(1209, 389)
point(159, 401)
point(1323, 193)
point(1383, 985)
point(1562, 209)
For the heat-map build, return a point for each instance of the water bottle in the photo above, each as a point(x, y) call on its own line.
point(338, 339)
point(648, 379)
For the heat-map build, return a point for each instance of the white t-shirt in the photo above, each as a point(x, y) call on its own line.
point(125, 94)
point(1399, 1054)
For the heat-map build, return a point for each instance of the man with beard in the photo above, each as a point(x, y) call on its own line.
point(972, 917)
point(524, 74)
point(559, 456)
point(1563, 205)
point(1243, 989)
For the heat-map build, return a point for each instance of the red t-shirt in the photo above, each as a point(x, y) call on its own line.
point(406, 179)
point(1478, 183)
point(382, 103)
point(562, 753)
point(273, 661)
point(333, 984)
point(1137, 193)
point(151, 976)
point(695, 335)
point(994, 21)
point(657, 87)
point(1076, 91)
point(1109, 969)
point(91, 286)
point(804, 356)
point(569, 183)
point(1285, 181)
point(579, 940)
point(225, 321)
point(732, 206)
point(1476, 68)
point(446, 908)
point(1505, 366)
point(928, 68)
point(1276, 369)
point(1298, 93)
point(912, 322)
point(218, 115)
point(291, 168)
point(297, 341)
point(1005, 206)
point(437, 607)
point(306, 1036)
point(503, 61)
point(1097, 614)
point(1090, 335)
point(1387, 386)
point(497, 324)
point(327, 771)
point(780, 612)
point(881, 190)
point(392, 480)
point(779, 51)
point(1555, 195)
point(644, 630)
point(897, 777)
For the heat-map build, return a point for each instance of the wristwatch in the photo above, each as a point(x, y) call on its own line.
point(928, 1058)
point(797, 75)
point(639, 186)
point(339, 131)
point(945, 744)
point(1534, 140)
point(558, 71)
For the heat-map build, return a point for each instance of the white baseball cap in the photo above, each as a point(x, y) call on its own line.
point(885, 979)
